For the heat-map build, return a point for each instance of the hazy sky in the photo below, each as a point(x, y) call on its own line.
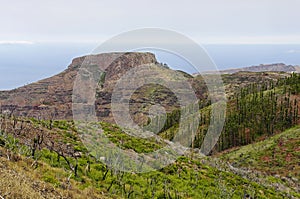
point(210, 21)
point(33, 32)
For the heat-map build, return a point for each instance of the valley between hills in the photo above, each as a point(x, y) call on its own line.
point(257, 155)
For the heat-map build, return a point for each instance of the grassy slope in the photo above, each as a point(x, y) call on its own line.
point(279, 154)
point(195, 180)
point(276, 159)
point(185, 178)
point(21, 177)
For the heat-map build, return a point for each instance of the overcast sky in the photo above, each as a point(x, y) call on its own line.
point(210, 21)
point(33, 32)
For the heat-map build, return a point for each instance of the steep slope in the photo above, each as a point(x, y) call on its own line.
point(48, 175)
point(47, 151)
point(255, 111)
point(19, 179)
point(51, 98)
point(277, 157)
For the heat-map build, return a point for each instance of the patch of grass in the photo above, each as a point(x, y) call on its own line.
point(48, 177)
point(125, 141)
point(279, 154)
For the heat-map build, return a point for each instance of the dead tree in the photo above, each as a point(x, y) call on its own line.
point(37, 142)
point(64, 152)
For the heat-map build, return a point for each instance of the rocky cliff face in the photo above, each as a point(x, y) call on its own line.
point(51, 98)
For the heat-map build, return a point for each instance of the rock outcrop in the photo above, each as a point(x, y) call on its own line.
point(51, 98)
point(278, 67)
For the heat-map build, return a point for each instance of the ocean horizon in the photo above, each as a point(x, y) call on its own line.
point(21, 64)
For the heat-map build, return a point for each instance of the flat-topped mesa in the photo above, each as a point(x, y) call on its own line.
point(104, 60)
point(52, 97)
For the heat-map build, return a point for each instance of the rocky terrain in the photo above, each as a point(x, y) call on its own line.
point(277, 67)
point(51, 98)
point(254, 157)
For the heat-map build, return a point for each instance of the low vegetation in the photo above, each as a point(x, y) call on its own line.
point(50, 173)
point(49, 160)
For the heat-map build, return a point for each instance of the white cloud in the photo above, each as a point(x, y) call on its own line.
point(293, 51)
point(288, 39)
point(16, 42)
point(77, 20)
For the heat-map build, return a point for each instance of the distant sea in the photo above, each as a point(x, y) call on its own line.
point(22, 64)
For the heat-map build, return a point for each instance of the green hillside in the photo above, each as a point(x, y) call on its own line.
point(254, 112)
point(277, 155)
point(255, 156)
point(61, 174)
